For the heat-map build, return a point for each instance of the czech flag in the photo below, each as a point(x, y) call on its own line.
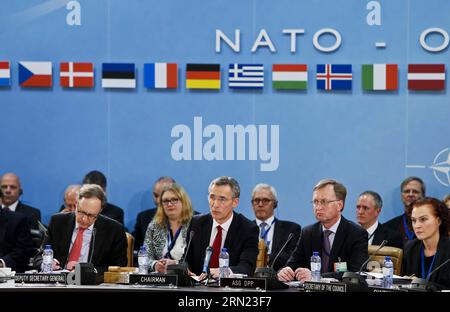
point(35, 74)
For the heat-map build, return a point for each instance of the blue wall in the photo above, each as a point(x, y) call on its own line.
point(52, 137)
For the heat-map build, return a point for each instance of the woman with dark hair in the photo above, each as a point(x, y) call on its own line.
point(431, 248)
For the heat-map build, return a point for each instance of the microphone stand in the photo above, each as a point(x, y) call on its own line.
point(180, 269)
point(421, 283)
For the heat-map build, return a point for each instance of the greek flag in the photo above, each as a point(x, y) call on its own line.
point(245, 76)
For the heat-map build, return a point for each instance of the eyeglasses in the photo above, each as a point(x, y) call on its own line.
point(221, 199)
point(264, 201)
point(90, 216)
point(323, 202)
point(172, 201)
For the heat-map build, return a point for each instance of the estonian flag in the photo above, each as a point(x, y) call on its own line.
point(118, 75)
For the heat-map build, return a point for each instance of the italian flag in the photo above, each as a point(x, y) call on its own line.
point(289, 76)
point(380, 77)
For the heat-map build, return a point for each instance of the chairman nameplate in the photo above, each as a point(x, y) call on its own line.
point(251, 283)
point(153, 279)
point(37, 278)
point(325, 287)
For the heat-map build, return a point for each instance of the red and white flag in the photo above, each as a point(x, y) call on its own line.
point(426, 76)
point(76, 75)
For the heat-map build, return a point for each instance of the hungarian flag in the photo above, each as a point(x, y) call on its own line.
point(426, 76)
point(203, 76)
point(35, 74)
point(377, 77)
point(161, 75)
point(76, 75)
point(289, 76)
point(5, 74)
point(118, 75)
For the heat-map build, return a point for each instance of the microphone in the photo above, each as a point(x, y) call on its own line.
point(281, 250)
point(181, 269)
point(94, 231)
point(425, 284)
point(209, 252)
point(191, 235)
point(355, 278)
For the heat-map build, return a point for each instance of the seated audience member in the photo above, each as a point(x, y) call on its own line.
point(223, 228)
point(144, 218)
point(16, 246)
point(274, 232)
point(368, 208)
point(87, 236)
point(334, 237)
point(70, 198)
point(167, 233)
point(12, 190)
point(446, 201)
point(430, 221)
point(110, 210)
point(412, 189)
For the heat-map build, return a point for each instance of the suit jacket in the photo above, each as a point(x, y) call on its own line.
point(110, 243)
point(396, 225)
point(142, 221)
point(32, 213)
point(383, 233)
point(350, 245)
point(412, 261)
point(282, 229)
point(241, 242)
point(15, 240)
point(113, 212)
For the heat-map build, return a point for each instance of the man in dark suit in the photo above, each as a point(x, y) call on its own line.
point(111, 211)
point(15, 240)
point(368, 208)
point(412, 189)
point(86, 235)
point(272, 231)
point(222, 228)
point(12, 190)
point(146, 216)
point(337, 240)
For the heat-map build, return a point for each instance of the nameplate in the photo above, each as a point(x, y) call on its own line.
point(252, 283)
point(153, 279)
point(37, 278)
point(325, 287)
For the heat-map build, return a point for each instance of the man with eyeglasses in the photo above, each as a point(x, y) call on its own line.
point(368, 208)
point(87, 236)
point(223, 228)
point(412, 189)
point(342, 244)
point(273, 231)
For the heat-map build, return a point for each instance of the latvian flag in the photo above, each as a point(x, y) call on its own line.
point(426, 76)
point(246, 76)
point(76, 75)
point(118, 75)
point(376, 77)
point(161, 76)
point(5, 74)
point(35, 74)
point(334, 76)
point(203, 76)
point(289, 76)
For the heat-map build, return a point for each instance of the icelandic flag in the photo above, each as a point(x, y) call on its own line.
point(76, 75)
point(161, 75)
point(118, 75)
point(35, 74)
point(334, 76)
point(246, 76)
point(5, 74)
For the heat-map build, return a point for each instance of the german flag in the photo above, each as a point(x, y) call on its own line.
point(203, 76)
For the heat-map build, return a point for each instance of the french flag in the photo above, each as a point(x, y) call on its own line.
point(35, 74)
point(161, 75)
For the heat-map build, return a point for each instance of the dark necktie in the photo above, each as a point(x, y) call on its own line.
point(6, 208)
point(216, 248)
point(326, 250)
point(262, 227)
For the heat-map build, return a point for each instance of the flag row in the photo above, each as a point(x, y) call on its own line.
point(375, 77)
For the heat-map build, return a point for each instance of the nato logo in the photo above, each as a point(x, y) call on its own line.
point(440, 167)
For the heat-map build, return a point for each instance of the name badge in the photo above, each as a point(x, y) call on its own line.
point(340, 267)
point(153, 279)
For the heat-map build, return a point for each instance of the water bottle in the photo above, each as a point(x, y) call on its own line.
point(388, 272)
point(47, 259)
point(143, 260)
point(224, 263)
point(316, 266)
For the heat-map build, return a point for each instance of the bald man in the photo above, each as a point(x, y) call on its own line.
point(12, 190)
